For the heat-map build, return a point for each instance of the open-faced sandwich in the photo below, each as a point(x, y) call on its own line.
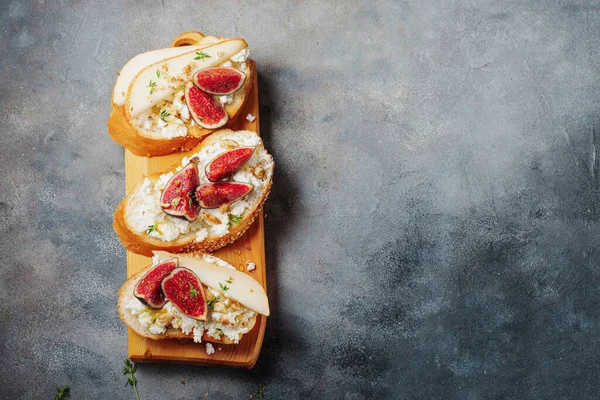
point(167, 100)
point(206, 202)
point(195, 296)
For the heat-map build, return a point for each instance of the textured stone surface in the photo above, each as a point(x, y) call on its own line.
point(432, 231)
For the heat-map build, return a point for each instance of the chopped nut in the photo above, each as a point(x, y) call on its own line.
point(187, 69)
point(224, 207)
point(211, 218)
point(259, 172)
point(229, 144)
point(220, 54)
point(241, 267)
point(165, 67)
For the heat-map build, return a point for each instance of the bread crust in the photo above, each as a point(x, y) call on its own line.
point(125, 293)
point(143, 244)
point(189, 38)
point(128, 136)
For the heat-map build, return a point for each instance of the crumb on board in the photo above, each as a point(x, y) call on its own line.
point(209, 349)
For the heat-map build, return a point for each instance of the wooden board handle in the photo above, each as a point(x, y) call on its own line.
point(187, 39)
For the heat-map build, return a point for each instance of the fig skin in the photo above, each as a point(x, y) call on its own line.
point(176, 198)
point(206, 111)
point(183, 288)
point(219, 81)
point(225, 164)
point(148, 289)
point(215, 194)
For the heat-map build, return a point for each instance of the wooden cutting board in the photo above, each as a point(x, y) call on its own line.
point(250, 247)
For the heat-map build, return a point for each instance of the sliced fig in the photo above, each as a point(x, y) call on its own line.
point(215, 194)
point(205, 109)
point(148, 289)
point(220, 80)
point(183, 288)
point(227, 163)
point(177, 197)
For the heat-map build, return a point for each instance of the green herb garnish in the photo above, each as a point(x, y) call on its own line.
point(234, 219)
point(164, 114)
point(153, 228)
point(130, 369)
point(152, 86)
point(227, 280)
point(157, 73)
point(261, 391)
point(211, 302)
point(182, 86)
point(193, 291)
point(63, 392)
point(201, 55)
point(223, 287)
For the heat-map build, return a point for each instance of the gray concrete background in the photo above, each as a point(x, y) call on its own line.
point(432, 231)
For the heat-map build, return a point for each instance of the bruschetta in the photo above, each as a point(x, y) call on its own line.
point(168, 100)
point(205, 202)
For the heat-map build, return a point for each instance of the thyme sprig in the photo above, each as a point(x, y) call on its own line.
point(63, 393)
point(200, 55)
point(130, 369)
point(193, 291)
point(211, 302)
point(152, 86)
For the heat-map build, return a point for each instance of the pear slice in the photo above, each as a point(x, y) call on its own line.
point(141, 61)
point(240, 287)
point(163, 78)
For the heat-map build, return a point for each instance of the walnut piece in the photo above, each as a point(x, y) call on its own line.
point(229, 144)
point(211, 218)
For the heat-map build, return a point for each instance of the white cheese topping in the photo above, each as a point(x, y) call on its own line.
point(209, 349)
point(241, 56)
point(143, 207)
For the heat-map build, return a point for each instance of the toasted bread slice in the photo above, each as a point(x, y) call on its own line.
point(213, 228)
point(133, 313)
point(136, 109)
